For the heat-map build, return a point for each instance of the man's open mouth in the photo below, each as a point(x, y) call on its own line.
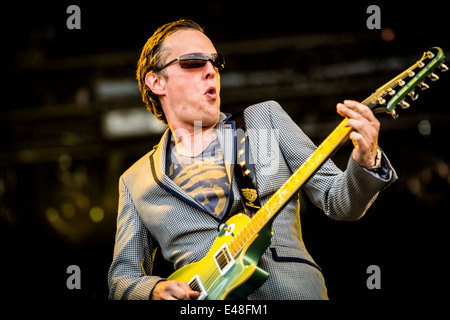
point(211, 93)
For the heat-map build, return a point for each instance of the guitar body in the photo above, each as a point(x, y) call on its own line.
point(239, 278)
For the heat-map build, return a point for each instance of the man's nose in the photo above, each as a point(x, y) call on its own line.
point(210, 70)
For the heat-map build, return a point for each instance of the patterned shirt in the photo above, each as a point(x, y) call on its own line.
point(203, 177)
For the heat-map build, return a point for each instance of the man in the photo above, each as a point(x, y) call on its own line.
point(177, 195)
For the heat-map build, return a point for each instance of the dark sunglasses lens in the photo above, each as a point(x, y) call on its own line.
point(192, 63)
point(219, 62)
point(198, 61)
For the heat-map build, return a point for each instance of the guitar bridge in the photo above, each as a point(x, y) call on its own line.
point(224, 260)
point(196, 285)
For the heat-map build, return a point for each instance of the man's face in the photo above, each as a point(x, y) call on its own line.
point(190, 94)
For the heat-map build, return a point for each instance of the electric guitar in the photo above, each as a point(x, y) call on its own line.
point(229, 270)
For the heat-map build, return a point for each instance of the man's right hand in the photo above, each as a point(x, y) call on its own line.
point(173, 290)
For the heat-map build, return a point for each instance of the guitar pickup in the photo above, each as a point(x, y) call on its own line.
point(196, 284)
point(224, 260)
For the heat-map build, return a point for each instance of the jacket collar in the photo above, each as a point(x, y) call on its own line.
point(225, 131)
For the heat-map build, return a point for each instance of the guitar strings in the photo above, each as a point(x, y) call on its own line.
point(374, 99)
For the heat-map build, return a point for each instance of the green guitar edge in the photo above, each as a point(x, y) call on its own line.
point(246, 263)
point(418, 78)
point(251, 257)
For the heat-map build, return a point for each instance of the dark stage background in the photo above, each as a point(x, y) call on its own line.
point(72, 120)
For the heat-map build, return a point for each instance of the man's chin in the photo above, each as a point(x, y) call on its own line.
point(213, 117)
point(211, 121)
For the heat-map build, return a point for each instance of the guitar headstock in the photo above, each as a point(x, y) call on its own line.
point(393, 93)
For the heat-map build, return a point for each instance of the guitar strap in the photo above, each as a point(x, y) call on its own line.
point(244, 168)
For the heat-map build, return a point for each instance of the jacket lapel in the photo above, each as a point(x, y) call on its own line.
point(158, 169)
point(225, 131)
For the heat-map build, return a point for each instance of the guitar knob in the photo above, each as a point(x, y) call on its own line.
point(394, 114)
point(404, 104)
point(433, 76)
point(413, 95)
point(424, 86)
point(443, 67)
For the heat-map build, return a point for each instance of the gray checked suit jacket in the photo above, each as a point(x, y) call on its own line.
point(154, 212)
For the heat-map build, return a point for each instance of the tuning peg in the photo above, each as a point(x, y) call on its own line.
point(394, 114)
point(401, 83)
point(413, 95)
point(443, 67)
point(391, 91)
point(424, 86)
point(411, 73)
point(404, 104)
point(420, 64)
point(433, 76)
point(381, 100)
point(430, 54)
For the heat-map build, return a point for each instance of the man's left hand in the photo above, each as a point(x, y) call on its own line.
point(365, 134)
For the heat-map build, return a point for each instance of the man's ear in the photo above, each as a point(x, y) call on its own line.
point(156, 83)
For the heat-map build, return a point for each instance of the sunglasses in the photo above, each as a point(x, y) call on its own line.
point(197, 60)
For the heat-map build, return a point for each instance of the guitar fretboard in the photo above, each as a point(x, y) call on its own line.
point(290, 188)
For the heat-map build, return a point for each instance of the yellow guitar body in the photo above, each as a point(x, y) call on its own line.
point(219, 275)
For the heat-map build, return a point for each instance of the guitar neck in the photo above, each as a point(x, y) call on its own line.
point(298, 179)
point(323, 152)
point(290, 187)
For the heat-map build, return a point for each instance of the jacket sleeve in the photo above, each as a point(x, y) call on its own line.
point(343, 195)
point(129, 274)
